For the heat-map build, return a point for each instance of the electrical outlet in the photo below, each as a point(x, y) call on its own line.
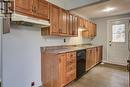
point(32, 84)
point(64, 40)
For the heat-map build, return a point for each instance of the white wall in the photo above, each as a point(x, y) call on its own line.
point(102, 32)
point(21, 55)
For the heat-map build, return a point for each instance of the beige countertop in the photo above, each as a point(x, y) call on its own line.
point(64, 49)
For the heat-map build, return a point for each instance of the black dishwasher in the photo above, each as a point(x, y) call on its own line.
point(81, 63)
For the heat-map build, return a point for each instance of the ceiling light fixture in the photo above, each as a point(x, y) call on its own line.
point(108, 9)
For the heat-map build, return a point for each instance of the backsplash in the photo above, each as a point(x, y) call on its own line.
point(50, 40)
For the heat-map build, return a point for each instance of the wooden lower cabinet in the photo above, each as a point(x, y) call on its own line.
point(94, 56)
point(70, 67)
point(88, 58)
point(99, 54)
point(58, 69)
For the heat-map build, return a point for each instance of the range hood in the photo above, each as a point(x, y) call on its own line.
point(28, 21)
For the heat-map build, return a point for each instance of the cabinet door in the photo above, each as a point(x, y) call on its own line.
point(81, 22)
point(90, 29)
point(70, 67)
point(54, 20)
point(75, 26)
point(88, 59)
point(87, 32)
point(70, 24)
point(86, 25)
point(42, 9)
point(97, 55)
point(93, 56)
point(95, 29)
point(62, 60)
point(63, 22)
point(100, 53)
point(23, 6)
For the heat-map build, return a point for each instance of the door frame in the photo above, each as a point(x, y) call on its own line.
point(108, 27)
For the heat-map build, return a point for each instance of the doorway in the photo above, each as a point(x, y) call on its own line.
point(117, 41)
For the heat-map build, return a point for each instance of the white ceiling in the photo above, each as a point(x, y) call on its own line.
point(72, 4)
point(95, 11)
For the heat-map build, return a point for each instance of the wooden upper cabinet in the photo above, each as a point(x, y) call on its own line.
point(95, 29)
point(63, 30)
point(42, 9)
point(70, 24)
point(54, 20)
point(75, 26)
point(81, 22)
point(86, 25)
point(34, 8)
point(23, 6)
point(91, 30)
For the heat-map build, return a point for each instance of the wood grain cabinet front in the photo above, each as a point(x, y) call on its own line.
point(58, 69)
point(94, 56)
point(70, 67)
point(90, 31)
point(63, 30)
point(54, 20)
point(75, 26)
point(23, 6)
point(34, 8)
point(41, 9)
